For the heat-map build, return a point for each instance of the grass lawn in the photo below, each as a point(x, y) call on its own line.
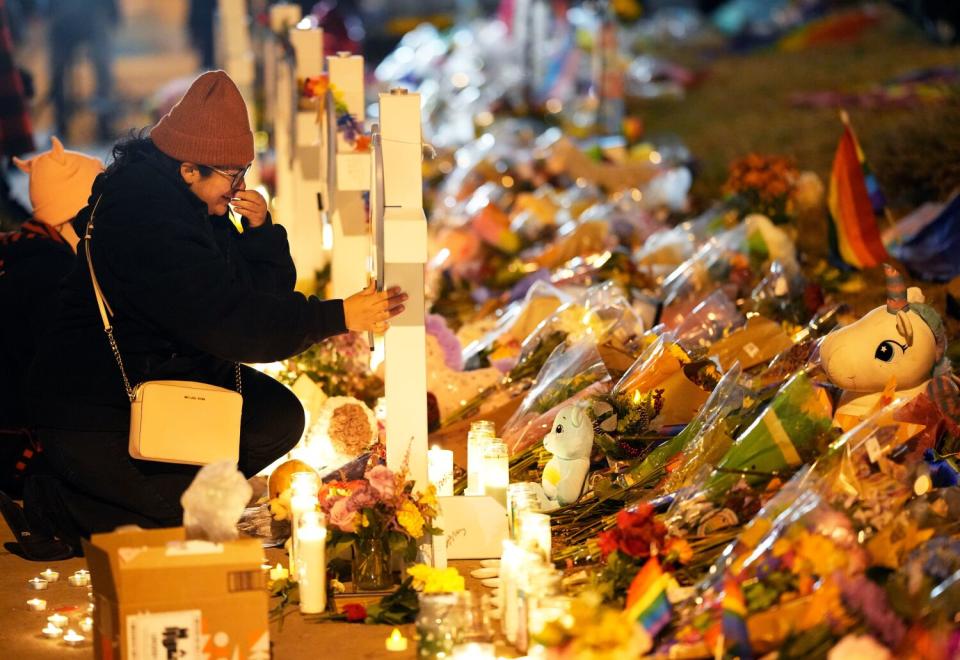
point(743, 105)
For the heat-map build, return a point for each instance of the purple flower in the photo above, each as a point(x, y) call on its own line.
point(449, 344)
point(361, 498)
point(869, 600)
point(383, 481)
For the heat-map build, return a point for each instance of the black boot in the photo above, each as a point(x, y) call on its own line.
point(33, 542)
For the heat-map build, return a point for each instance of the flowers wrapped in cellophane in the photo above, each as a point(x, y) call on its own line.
point(834, 551)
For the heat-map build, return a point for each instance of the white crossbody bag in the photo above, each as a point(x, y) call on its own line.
point(174, 421)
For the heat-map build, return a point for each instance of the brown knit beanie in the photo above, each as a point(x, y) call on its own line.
point(208, 126)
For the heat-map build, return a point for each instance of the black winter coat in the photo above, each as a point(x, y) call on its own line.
point(33, 261)
point(190, 294)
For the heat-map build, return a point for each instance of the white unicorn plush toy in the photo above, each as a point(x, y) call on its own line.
point(903, 341)
point(571, 442)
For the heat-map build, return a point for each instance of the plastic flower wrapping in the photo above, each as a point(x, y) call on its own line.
point(847, 545)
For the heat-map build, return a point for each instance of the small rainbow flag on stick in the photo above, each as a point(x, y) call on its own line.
point(647, 597)
point(734, 619)
point(854, 202)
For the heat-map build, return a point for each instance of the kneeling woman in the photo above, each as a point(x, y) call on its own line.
point(191, 297)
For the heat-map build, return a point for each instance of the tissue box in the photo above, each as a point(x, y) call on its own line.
point(160, 596)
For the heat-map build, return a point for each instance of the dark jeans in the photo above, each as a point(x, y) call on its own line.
point(94, 486)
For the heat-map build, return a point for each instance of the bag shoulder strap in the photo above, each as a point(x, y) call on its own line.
point(106, 312)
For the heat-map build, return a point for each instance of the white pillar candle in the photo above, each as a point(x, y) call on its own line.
point(300, 504)
point(480, 432)
point(440, 470)
point(312, 568)
point(496, 471)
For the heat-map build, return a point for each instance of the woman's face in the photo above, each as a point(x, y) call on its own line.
point(215, 190)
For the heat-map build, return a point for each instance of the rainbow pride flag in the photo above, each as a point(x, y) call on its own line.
point(854, 202)
point(734, 620)
point(647, 597)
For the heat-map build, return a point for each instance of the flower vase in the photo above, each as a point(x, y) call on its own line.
point(371, 565)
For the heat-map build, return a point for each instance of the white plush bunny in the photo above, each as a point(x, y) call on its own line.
point(571, 442)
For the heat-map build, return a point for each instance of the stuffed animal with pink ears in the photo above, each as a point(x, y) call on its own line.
point(903, 341)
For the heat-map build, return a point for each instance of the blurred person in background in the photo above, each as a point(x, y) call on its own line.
point(200, 27)
point(76, 25)
point(16, 130)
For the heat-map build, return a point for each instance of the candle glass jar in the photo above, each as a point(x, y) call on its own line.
point(441, 623)
point(371, 564)
point(480, 432)
point(496, 470)
point(523, 496)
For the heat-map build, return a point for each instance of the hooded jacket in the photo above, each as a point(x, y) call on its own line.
point(191, 295)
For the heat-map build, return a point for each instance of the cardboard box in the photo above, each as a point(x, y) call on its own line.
point(158, 596)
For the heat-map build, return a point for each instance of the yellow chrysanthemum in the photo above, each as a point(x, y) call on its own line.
point(436, 580)
point(429, 497)
point(410, 519)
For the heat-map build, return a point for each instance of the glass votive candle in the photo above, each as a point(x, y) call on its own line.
point(37, 583)
point(37, 604)
point(440, 623)
point(57, 619)
point(50, 575)
point(474, 651)
point(51, 631)
point(86, 624)
point(73, 638)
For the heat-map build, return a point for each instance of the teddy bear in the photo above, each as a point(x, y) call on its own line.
point(570, 440)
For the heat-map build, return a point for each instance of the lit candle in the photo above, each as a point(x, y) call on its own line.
point(58, 620)
point(73, 638)
point(474, 651)
point(480, 432)
point(440, 470)
point(496, 471)
point(305, 483)
point(300, 503)
point(51, 631)
point(79, 579)
point(396, 641)
point(37, 583)
point(50, 575)
point(312, 567)
point(37, 604)
point(86, 624)
point(279, 573)
point(534, 530)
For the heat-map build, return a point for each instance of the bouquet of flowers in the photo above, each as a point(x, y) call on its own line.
point(380, 507)
point(637, 537)
point(340, 366)
point(764, 184)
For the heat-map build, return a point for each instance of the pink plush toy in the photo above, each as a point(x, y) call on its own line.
point(60, 183)
point(903, 341)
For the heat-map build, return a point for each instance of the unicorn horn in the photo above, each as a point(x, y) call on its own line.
point(896, 290)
